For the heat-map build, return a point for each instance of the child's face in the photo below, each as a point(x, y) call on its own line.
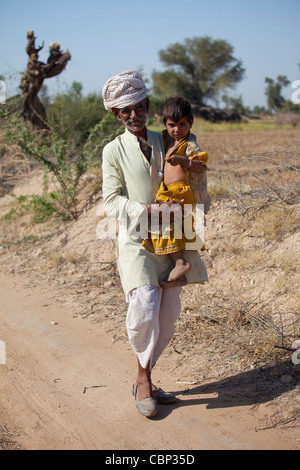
point(178, 130)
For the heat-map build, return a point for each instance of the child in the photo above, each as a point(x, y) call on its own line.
point(184, 181)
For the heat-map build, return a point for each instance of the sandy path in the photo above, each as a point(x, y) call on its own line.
point(52, 358)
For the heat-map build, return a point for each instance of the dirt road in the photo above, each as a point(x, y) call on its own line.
point(65, 385)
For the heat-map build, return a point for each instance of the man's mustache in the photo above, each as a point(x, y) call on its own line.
point(134, 121)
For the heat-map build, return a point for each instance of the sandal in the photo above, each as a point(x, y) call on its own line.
point(146, 406)
point(163, 398)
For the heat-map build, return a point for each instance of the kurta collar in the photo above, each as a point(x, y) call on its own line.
point(133, 138)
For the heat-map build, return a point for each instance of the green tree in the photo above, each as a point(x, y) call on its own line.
point(273, 91)
point(71, 115)
point(261, 110)
point(77, 88)
point(290, 107)
point(235, 103)
point(199, 69)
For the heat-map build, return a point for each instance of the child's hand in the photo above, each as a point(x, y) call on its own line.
point(175, 160)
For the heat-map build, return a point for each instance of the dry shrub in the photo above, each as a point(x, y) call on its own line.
point(274, 221)
point(275, 174)
point(56, 259)
point(14, 166)
point(7, 439)
point(233, 326)
point(290, 119)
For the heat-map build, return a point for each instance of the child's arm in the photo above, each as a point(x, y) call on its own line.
point(191, 164)
point(194, 160)
point(194, 152)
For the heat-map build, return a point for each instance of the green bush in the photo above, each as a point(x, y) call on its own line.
point(72, 116)
point(41, 207)
point(58, 159)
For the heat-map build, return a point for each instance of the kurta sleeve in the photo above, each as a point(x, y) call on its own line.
point(116, 204)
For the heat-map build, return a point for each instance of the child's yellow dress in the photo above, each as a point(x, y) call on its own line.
point(170, 238)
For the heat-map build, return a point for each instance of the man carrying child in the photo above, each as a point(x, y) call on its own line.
point(133, 165)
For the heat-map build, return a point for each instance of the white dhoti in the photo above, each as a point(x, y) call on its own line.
point(150, 320)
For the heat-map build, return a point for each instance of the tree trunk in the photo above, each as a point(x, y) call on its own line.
point(32, 80)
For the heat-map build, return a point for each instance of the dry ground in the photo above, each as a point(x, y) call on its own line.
point(235, 334)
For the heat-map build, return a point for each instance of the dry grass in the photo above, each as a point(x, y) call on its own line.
point(7, 439)
point(14, 166)
point(233, 332)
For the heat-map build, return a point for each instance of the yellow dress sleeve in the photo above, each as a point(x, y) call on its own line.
point(194, 152)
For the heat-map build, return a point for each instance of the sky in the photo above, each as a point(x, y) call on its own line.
point(107, 37)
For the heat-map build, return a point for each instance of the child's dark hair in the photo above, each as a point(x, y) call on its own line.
point(176, 107)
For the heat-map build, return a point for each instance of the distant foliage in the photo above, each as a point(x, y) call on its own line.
point(273, 92)
point(199, 69)
point(59, 161)
point(71, 115)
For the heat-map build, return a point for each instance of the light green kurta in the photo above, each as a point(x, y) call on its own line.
point(129, 180)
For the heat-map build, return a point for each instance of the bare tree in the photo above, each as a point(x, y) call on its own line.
point(32, 79)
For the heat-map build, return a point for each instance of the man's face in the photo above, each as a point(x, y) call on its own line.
point(133, 117)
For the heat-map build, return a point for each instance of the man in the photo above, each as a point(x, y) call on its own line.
point(132, 172)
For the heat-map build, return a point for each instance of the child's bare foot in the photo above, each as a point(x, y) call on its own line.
point(177, 276)
point(180, 282)
point(181, 267)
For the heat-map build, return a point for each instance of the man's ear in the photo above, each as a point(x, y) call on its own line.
point(115, 112)
point(147, 102)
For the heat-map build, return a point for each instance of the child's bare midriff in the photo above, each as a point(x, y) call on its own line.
point(172, 174)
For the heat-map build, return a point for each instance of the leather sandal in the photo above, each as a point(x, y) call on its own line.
point(146, 406)
point(163, 398)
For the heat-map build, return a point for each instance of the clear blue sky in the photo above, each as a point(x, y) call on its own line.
point(106, 37)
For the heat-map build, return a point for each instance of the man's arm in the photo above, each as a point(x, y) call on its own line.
point(115, 203)
point(119, 206)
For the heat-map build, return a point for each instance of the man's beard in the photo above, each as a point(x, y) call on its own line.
point(131, 124)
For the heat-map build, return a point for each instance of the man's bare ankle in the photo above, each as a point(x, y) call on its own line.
point(143, 389)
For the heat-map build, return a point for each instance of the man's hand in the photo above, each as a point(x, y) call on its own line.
point(159, 208)
point(169, 203)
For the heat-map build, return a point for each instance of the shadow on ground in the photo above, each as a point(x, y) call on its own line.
point(250, 388)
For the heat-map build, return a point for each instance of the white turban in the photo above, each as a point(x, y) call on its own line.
point(125, 89)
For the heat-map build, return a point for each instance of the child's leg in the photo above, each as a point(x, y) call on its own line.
point(181, 266)
point(177, 276)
